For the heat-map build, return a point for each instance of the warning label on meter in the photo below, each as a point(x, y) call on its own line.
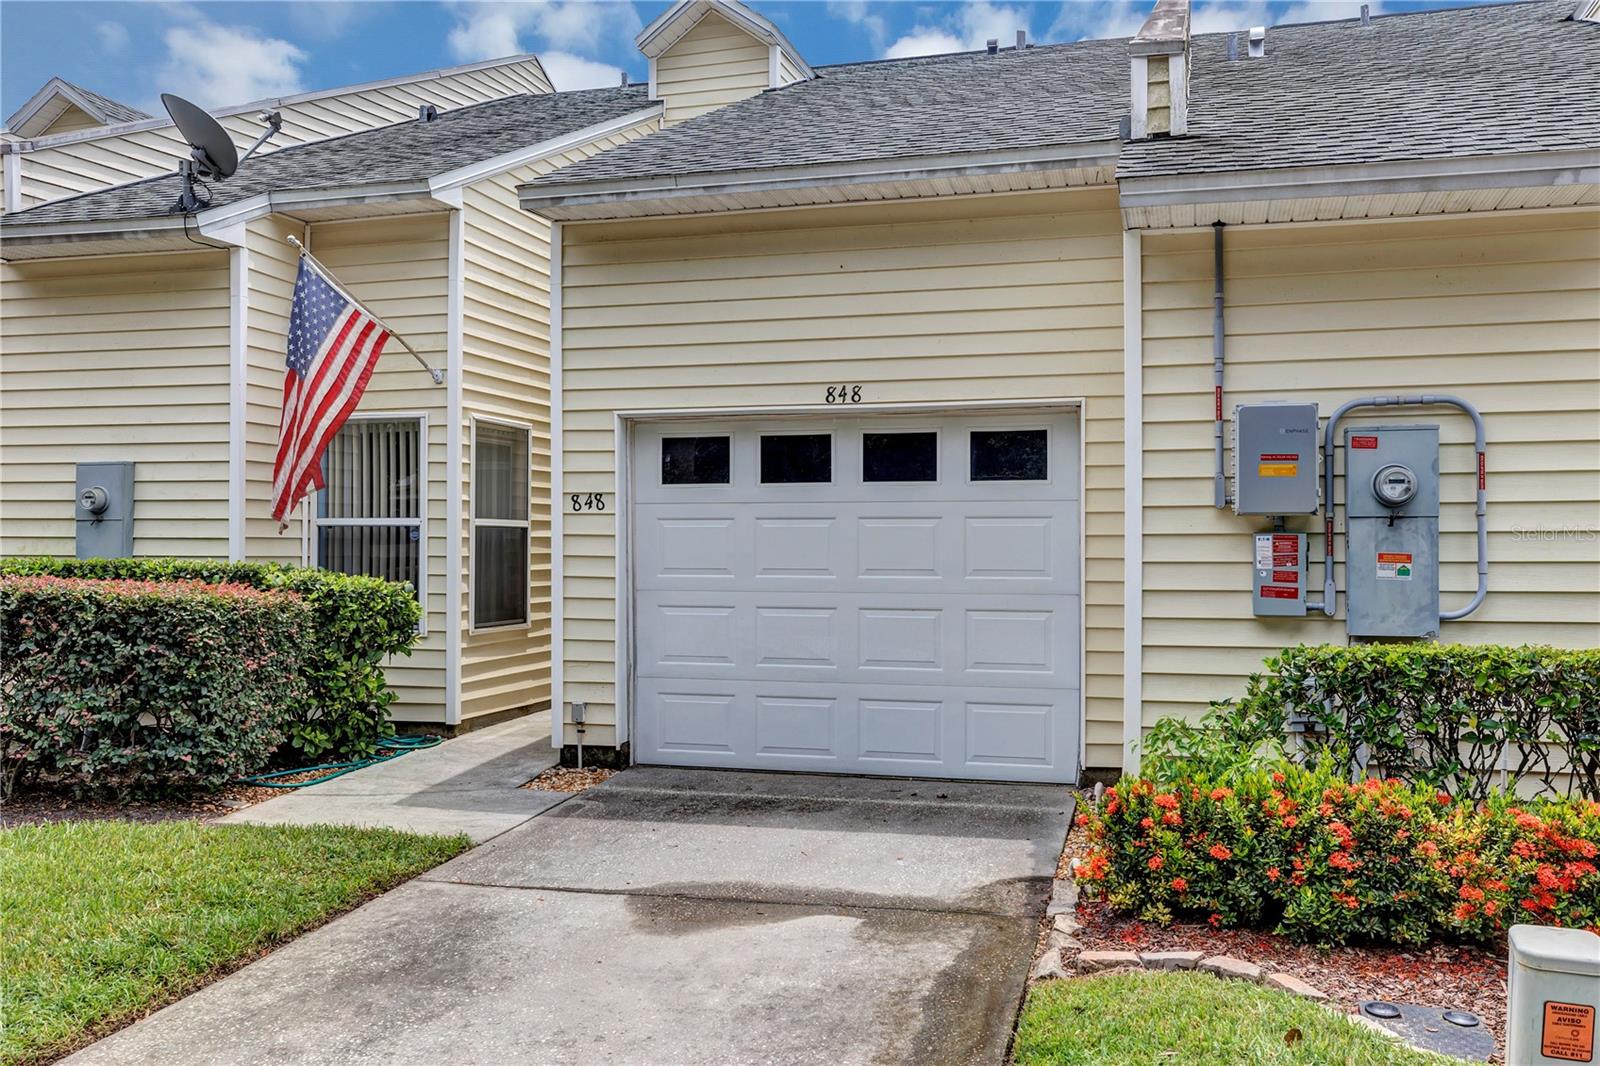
point(1568, 1032)
point(1394, 566)
point(1273, 464)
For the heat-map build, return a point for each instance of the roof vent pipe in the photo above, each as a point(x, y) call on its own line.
point(427, 112)
point(1233, 47)
point(1022, 39)
point(1366, 14)
point(1258, 41)
point(993, 45)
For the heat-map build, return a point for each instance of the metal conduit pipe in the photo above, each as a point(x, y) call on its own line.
point(1218, 352)
point(1426, 399)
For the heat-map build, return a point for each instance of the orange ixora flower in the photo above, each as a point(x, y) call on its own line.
point(1220, 794)
point(1155, 862)
point(1221, 852)
point(1273, 873)
point(1179, 885)
point(1167, 801)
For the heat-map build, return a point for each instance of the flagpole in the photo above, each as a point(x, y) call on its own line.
point(437, 375)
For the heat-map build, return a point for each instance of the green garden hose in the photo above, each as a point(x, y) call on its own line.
point(387, 748)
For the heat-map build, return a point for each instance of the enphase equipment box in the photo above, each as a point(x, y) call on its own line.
point(1275, 458)
point(1279, 589)
point(1554, 986)
point(1391, 490)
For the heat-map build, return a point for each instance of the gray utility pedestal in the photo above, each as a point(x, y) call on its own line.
point(1554, 995)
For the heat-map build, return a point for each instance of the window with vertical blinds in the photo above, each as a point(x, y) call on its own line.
point(371, 510)
point(500, 525)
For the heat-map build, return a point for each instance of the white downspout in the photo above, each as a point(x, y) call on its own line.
point(1133, 500)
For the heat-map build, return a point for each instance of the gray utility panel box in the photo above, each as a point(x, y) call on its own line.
point(1279, 589)
point(1275, 458)
point(104, 510)
point(1391, 490)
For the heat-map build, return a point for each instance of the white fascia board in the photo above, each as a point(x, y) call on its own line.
point(535, 197)
point(273, 103)
point(488, 168)
point(1514, 171)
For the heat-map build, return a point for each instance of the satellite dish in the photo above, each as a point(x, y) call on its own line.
point(214, 153)
point(211, 149)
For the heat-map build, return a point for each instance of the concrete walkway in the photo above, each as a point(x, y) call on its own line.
point(465, 785)
point(667, 917)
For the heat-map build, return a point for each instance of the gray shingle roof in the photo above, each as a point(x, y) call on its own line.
point(1470, 81)
point(967, 102)
point(1423, 85)
point(405, 151)
point(113, 111)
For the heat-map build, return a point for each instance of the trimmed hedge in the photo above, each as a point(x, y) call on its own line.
point(144, 686)
point(356, 624)
point(1324, 861)
point(1443, 715)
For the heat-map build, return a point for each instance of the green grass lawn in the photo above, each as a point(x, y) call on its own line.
point(105, 920)
point(1188, 1018)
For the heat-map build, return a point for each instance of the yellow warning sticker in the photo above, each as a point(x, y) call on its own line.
point(1278, 465)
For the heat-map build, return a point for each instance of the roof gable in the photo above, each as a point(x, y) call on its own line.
point(683, 16)
point(57, 98)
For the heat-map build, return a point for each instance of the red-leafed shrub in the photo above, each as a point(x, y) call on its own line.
point(144, 686)
point(1322, 860)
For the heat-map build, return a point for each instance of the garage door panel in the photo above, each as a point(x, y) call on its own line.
point(935, 731)
point(922, 626)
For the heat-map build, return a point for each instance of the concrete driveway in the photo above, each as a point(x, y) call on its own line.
point(669, 916)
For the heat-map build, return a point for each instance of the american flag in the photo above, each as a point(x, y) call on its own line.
point(334, 344)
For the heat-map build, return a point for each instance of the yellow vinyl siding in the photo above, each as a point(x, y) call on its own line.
point(788, 72)
point(399, 268)
point(116, 358)
point(1502, 311)
point(273, 262)
point(52, 171)
point(72, 119)
point(506, 376)
point(712, 65)
point(999, 298)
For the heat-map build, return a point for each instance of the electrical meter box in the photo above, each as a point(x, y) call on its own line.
point(1279, 590)
point(103, 510)
point(1391, 490)
point(1275, 458)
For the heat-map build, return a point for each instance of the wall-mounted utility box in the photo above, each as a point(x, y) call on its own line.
point(1554, 985)
point(104, 510)
point(1279, 589)
point(1391, 492)
point(1275, 458)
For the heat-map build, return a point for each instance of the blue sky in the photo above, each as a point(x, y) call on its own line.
point(235, 52)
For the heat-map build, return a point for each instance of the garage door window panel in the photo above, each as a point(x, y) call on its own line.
point(695, 460)
point(1010, 455)
point(796, 459)
point(500, 525)
point(900, 457)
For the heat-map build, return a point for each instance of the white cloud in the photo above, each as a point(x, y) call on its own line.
point(113, 36)
point(861, 13)
point(1227, 16)
point(970, 26)
point(1098, 20)
point(219, 65)
point(328, 20)
point(568, 72)
point(493, 30)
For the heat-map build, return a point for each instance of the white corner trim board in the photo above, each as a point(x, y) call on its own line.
point(558, 649)
point(452, 481)
point(1133, 499)
point(238, 356)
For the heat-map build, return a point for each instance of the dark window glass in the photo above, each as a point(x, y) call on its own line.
point(1010, 455)
point(796, 459)
point(499, 575)
point(694, 460)
point(900, 457)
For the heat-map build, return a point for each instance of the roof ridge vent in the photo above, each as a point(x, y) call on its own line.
point(993, 44)
point(1258, 42)
point(427, 112)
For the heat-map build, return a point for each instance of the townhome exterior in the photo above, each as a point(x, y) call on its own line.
point(135, 334)
point(67, 139)
point(968, 264)
point(878, 418)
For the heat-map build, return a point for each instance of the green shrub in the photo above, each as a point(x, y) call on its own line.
point(357, 623)
point(1299, 849)
point(145, 686)
point(1444, 715)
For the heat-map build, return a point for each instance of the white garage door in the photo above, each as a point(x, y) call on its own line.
point(866, 595)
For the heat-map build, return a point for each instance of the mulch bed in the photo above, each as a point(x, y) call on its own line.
point(38, 807)
point(568, 779)
point(1448, 976)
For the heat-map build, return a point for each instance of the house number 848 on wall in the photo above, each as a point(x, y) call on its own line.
point(587, 501)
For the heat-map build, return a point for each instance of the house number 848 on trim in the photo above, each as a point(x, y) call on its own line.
point(578, 502)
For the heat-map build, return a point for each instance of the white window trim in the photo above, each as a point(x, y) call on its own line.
point(473, 522)
point(313, 521)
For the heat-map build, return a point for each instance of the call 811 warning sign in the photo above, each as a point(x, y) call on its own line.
point(1568, 1033)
